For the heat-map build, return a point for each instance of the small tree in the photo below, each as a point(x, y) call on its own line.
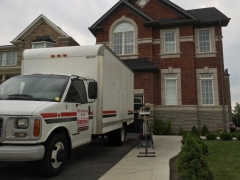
point(190, 163)
point(204, 130)
point(194, 130)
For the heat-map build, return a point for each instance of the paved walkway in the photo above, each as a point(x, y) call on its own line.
point(132, 167)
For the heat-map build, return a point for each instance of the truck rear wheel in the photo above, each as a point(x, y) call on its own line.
point(55, 156)
point(117, 136)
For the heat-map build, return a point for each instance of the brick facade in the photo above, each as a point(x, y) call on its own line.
point(42, 30)
point(189, 112)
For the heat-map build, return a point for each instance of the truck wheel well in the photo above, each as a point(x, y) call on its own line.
point(63, 131)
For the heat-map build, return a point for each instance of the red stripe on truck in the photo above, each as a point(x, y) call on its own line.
point(66, 114)
point(49, 115)
point(109, 112)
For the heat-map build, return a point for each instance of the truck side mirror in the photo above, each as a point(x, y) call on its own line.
point(92, 90)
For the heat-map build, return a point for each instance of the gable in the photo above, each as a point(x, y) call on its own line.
point(157, 10)
point(154, 11)
point(36, 23)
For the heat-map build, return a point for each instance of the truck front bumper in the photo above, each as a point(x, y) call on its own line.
point(21, 153)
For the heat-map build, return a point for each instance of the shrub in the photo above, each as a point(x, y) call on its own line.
point(194, 130)
point(211, 136)
point(238, 136)
point(190, 163)
point(204, 130)
point(161, 128)
point(226, 136)
point(198, 140)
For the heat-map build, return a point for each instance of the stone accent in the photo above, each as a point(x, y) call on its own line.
point(179, 119)
point(186, 117)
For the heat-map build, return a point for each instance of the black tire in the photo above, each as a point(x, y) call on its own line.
point(119, 136)
point(51, 165)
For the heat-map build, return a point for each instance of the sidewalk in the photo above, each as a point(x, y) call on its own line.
point(132, 167)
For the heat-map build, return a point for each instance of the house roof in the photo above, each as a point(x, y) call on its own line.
point(194, 17)
point(34, 25)
point(210, 15)
point(140, 65)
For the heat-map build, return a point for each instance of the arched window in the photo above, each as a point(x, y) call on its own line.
point(123, 39)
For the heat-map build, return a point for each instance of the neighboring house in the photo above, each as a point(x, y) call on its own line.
point(41, 33)
point(176, 56)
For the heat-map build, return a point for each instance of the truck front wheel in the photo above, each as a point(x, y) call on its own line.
point(55, 156)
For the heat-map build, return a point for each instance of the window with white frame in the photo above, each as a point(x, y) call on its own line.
point(204, 40)
point(171, 89)
point(207, 89)
point(123, 39)
point(36, 45)
point(169, 41)
point(8, 58)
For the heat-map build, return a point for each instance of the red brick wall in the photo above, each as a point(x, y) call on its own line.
point(151, 82)
point(156, 10)
point(144, 80)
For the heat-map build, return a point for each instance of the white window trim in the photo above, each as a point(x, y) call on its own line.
point(210, 44)
point(114, 24)
point(176, 71)
point(166, 88)
point(41, 42)
point(177, 52)
point(212, 71)
point(175, 44)
point(212, 52)
point(212, 88)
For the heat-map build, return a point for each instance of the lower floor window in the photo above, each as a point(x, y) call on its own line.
point(171, 89)
point(8, 58)
point(207, 89)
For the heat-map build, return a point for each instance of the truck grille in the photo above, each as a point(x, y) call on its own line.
point(1, 126)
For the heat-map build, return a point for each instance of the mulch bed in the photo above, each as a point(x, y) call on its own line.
point(173, 169)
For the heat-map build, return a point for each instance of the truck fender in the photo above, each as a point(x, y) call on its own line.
point(54, 128)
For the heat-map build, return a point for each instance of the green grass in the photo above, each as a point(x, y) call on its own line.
point(224, 159)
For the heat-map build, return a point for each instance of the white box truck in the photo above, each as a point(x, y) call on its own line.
point(64, 97)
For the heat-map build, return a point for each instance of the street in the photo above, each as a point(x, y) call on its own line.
point(88, 162)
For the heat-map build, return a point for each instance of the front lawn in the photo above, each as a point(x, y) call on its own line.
point(224, 159)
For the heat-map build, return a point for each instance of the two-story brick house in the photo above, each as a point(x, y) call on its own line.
point(176, 56)
point(41, 33)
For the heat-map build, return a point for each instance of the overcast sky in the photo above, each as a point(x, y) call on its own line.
point(75, 16)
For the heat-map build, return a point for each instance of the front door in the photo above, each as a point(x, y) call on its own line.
point(79, 111)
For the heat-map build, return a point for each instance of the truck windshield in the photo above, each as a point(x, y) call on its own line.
point(34, 87)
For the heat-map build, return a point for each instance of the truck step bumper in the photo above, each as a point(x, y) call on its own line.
point(21, 153)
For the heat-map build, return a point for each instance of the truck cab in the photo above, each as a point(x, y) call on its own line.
point(49, 110)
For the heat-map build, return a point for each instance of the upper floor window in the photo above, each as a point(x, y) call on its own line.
point(169, 41)
point(123, 39)
point(36, 45)
point(204, 40)
point(207, 89)
point(8, 58)
point(171, 89)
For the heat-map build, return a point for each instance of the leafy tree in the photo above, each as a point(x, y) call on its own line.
point(236, 111)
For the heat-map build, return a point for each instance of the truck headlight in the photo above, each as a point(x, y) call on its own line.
point(22, 123)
